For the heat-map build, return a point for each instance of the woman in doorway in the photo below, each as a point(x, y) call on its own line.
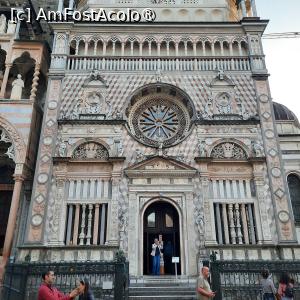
point(156, 253)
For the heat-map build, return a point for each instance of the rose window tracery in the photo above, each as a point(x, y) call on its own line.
point(159, 119)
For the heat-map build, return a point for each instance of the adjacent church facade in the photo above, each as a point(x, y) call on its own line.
point(163, 128)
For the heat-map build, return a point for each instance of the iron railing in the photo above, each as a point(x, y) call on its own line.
point(108, 280)
point(235, 280)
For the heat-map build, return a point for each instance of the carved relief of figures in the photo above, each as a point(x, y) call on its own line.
point(17, 87)
point(91, 150)
point(223, 104)
point(258, 149)
point(228, 150)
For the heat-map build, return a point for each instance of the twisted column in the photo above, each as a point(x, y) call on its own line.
point(35, 81)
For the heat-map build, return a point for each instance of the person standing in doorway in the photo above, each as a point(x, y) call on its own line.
point(155, 253)
point(203, 287)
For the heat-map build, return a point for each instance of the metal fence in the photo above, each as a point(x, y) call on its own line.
point(236, 280)
point(108, 280)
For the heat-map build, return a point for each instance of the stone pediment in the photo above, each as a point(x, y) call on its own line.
point(158, 166)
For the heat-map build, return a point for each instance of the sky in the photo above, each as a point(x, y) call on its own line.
point(283, 55)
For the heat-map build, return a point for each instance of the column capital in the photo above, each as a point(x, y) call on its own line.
point(18, 178)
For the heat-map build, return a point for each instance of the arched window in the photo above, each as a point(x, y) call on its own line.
point(294, 189)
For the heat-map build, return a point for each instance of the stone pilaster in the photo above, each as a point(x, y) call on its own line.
point(278, 185)
point(43, 172)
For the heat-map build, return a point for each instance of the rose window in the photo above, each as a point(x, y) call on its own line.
point(159, 120)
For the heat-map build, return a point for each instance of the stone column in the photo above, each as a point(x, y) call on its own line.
point(5, 78)
point(254, 10)
point(35, 81)
point(11, 224)
point(243, 8)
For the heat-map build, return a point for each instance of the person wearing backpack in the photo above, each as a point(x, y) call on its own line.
point(286, 288)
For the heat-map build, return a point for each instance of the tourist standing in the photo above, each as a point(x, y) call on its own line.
point(48, 292)
point(268, 288)
point(155, 253)
point(203, 287)
point(285, 289)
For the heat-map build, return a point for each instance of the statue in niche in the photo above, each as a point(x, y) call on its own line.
point(139, 155)
point(121, 149)
point(62, 149)
point(242, 111)
point(221, 74)
point(17, 87)
point(208, 109)
point(2, 24)
point(202, 148)
point(258, 149)
point(93, 105)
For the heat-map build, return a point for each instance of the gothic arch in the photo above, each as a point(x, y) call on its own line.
point(16, 139)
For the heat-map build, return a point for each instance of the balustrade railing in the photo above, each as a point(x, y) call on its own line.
point(86, 224)
point(157, 63)
point(235, 223)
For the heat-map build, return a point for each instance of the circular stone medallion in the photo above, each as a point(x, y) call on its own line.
point(36, 220)
point(284, 216)
point(269, 134)
point(276, 172)
point(52, 105)
point(43, 178)
point(264, 98)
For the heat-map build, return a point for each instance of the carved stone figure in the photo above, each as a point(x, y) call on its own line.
point(18, 85)
point(62, 149)
point(120, 149)
point(139, 155)
point(202, 148)
point(221, 74)
point(258, 149)
point(208, 109)
point(2, 24)
point(224, 104)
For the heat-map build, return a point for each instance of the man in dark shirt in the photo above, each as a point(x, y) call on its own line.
point(48, 292)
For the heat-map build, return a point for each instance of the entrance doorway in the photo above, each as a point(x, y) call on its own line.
point(161, 218)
